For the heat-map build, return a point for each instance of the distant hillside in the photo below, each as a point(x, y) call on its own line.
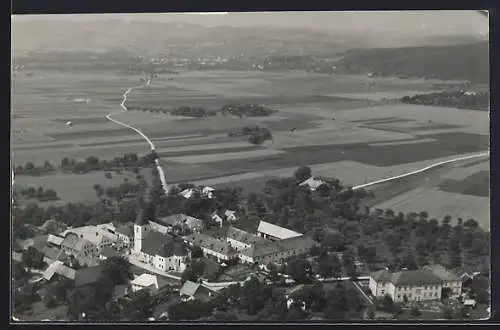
point(461, 62)
point(192, 39)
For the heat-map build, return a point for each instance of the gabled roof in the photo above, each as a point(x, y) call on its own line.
point(272, 247)
point(56, 240)
point(407, 277)
point(126, 229)
point(73, 241)
point(210, 243)
point(312, 183)
point(276, 231)
point(92, 234)
point(189, 288)
point(442, 273)
point(154, 242)
point(182, 220)
point(243, 236)
point(146, 280)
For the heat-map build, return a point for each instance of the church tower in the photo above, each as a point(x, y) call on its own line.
point(141, 226)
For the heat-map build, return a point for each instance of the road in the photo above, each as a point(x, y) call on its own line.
point(404, 175)
point(144, 136)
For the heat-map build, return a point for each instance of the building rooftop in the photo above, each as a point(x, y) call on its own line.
point(73, 241)
point(272, 247)
point(189, 288)
point(92, 234)
point(407, 277)
point(210, 243)
point(126, 229)
point(243, 236)
point(442, 273)
point(182, 220)
point(145, 280)
point(276, 231)
point(56, 240)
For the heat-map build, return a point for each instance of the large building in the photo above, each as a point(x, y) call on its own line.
point(158, 249)
point(89, 240)
point(273, 232)
point(276, 251)
point(214, 248)
point(414, 285)
point(241, 240)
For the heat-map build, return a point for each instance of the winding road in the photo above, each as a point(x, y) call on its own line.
point(366, 185)
point(148, 140)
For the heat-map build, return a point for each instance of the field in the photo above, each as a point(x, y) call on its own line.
point(321, 121)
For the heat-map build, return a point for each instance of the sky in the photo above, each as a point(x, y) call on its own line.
point(444, 22)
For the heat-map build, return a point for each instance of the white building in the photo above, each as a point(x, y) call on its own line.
point(411, 285)
point(272, 232)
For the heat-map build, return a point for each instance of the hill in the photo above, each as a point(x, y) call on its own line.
point(459, 62)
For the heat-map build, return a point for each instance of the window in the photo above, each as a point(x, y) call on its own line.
point(399, 296)
point(435, 294)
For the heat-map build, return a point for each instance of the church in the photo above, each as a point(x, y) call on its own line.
point(155, 248)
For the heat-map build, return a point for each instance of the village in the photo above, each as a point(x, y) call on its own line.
point(177, 260)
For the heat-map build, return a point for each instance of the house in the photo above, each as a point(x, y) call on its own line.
point(158, 249)
point(80, 277)
point(97, 237)
point(241, 240)
point(195, 291)
point(217, 218)
point(272, 232)
point(150, 282)
point(57, 267)
point(231, 215)
point(167, 224)
point(312, 183)
point(276, 251)
point(75, 245)
point(218, 249)
point(449, 280)
point(410, 285)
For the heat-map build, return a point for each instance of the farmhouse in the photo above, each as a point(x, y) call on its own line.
point(312, 183)
point(412, 285)
point(167, 224)
point(158, 249)
point(99, 238)
point(240, 239)
point(218, 249)
point(276, 251)
point(153, 283)
point(194, 291)
point(272, 232)
point(217, 218)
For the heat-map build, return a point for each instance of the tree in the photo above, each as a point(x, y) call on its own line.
point(299, 270)
point(196, 252)
point(65, 162)
point(29, 166)
point(32, 258)
point(387, 304)
point(302, 173)
point(117, 269)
